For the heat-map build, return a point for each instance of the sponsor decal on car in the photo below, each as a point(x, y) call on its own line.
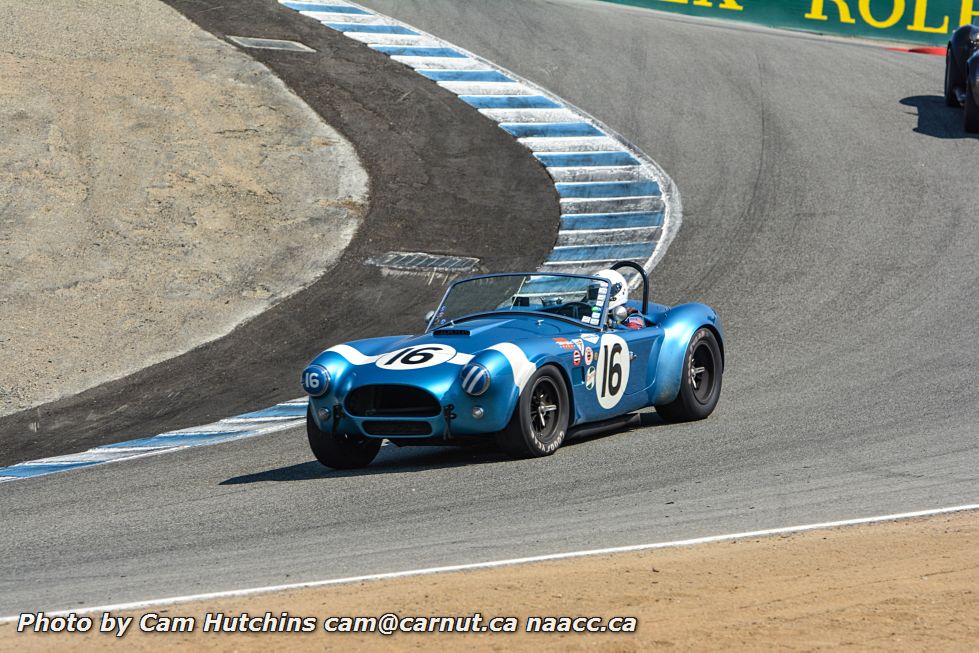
point(576, 358)
point(590, 378)
point(593, 338)
point(589, 355)
point(564, 343)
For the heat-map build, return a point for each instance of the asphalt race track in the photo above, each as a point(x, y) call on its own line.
point(829, 217)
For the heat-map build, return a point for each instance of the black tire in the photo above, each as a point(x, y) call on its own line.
point(540, 420)
point(340, 451)
point(700, 383)
point(951, 80)
point(971, 110)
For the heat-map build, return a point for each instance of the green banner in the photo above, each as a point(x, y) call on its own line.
point(927, 22)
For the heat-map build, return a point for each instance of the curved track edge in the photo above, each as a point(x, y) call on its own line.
point(433, 189)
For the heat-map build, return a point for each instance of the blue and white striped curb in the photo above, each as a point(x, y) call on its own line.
point(277, 418)
point(616, 202)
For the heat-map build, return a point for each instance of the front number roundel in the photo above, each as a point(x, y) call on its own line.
point(416, 357)
point(316, 380)
point(613, 370)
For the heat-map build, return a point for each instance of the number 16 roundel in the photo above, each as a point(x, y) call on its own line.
point(613, 370)
point(419, 356)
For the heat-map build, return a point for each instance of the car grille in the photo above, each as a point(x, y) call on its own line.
point(391, 427)
point(391, 401)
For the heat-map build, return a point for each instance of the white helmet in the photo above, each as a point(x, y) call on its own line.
point(618, 287)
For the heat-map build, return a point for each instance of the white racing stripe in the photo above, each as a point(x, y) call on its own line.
point(352, 355)
point(521, 366)
point(137, 605)
point(460, 359)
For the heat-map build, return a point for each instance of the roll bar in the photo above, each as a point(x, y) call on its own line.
point(645, 280)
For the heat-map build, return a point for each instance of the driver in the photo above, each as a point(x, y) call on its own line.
point(618, 313)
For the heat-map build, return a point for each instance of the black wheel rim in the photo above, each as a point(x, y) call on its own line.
point(702, 372)
point(352, 441)
point(544, 410)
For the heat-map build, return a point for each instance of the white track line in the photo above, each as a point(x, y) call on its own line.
point(173, 600)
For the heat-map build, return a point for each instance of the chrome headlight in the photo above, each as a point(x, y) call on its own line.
point(316, 380)
point(475, 379)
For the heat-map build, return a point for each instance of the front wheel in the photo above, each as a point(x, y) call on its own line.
point(700, 384)
point(971, 109)
point(540, 420)
point(340, 451)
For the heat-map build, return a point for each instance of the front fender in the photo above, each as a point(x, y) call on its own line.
point(338, 361)
point(679, 325)
point(509, 368)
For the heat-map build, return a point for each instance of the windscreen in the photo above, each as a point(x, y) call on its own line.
point(577, 298)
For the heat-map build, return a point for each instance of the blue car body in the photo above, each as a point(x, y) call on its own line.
point(609, 371)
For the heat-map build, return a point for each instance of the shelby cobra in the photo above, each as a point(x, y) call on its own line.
point(962, 74)
point(529, 359)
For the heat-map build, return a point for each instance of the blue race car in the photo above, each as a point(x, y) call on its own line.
point(528, 359)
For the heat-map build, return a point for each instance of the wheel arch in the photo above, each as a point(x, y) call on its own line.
point(563, 372)
point(720, 342)
point(679, 326)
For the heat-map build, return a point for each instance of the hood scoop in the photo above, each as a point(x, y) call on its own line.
point(450, 332)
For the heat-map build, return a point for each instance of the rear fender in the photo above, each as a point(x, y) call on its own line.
point(679, 325)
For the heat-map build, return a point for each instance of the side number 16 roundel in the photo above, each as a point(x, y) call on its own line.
point(613, 370)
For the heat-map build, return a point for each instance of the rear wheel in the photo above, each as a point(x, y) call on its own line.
point(700, 384)
point(951, 80)
point(540, 420)
point(971, 110)
point(340, 451)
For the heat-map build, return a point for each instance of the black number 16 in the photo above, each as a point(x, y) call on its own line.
point(612, 377)
point(413, 356)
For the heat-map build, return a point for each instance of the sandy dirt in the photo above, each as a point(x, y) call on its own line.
point(898, 586)
point(157, 187)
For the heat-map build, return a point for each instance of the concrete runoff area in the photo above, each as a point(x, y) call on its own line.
point(157, 187)
point(896, 586)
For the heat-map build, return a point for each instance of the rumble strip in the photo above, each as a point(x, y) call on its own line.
point(616, 202)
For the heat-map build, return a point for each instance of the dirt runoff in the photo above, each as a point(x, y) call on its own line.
point(897, 586)
point(157, 187)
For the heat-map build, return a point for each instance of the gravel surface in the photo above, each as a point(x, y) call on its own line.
point(157, 188)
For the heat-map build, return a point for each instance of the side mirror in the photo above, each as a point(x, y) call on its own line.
point(428, 316)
